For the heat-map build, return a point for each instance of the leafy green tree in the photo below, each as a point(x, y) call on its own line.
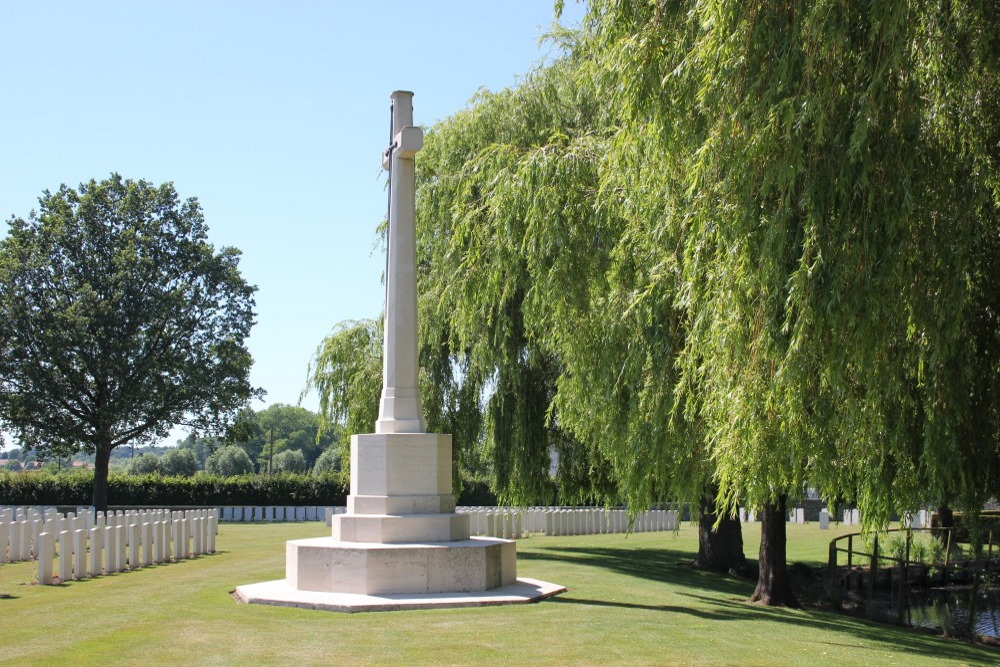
point(178, 463)
point(504, 211)
point(526, 288)
point(118, 320)
point(229, 461)
point(723, 251)
point(201, 448)
point(328, 461)
point(277, 428)
point(144, 464)
point(346, 373)
point(290, 460)
point(827, 173)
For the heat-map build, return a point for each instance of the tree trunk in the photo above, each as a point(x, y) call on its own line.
point(774, 587)
point(720, 550)
point(945, 519)
point(102, 459)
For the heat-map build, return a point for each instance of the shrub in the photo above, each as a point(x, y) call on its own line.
point(178, 463)
point(290, 460)
point(937, 551)
point(229, 461)
point(41, 488)
point(919, 553)
point(155, 490)
point(476, 493)
point(144, 464)
point(895, 547)
point(328, 461)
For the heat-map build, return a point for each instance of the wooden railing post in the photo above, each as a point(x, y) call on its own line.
point(989, 557)
point(872, 570)
point(947, 556)
point(832, 575)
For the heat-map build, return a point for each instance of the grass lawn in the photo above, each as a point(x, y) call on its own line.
point(630, 601)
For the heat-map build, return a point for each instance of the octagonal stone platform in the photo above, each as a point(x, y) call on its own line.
point(331, 575)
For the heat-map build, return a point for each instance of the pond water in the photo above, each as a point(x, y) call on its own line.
point(944, 609)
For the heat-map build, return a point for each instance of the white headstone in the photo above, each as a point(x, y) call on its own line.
point(178, 531)
point(134, 546)
point(65, 556)
point(147, 543)
point(96, 550)
point(4, 541)
point(79, 553)
point(45, 556)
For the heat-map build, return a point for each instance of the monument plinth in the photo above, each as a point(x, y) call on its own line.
point(400, 545)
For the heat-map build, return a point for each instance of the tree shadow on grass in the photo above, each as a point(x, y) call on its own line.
point(713, 596)
point(898, 637)
point(664, 565)
point(673, 609)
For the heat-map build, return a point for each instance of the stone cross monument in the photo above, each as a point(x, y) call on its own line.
point(399, 409)
point(400, 475)
point(400, 544)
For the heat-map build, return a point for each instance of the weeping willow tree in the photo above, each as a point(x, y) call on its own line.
point(487, 185)
point(830, 171)
point(546, 282)
point(745, 249)
point(550, 274)
point(346, 374)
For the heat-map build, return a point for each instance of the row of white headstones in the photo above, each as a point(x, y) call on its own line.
point(852, 517)
point(268, 513)
point(88, 543)
point(129, 539)
point(516, 523)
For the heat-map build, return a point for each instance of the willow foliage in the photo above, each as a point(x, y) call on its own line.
point(346, 373)
point(830, 176)
point(537, 275)
point(485, 186)
point(749, 245)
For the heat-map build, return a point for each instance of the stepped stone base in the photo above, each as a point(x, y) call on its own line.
point(401, 545)
point(325, 564)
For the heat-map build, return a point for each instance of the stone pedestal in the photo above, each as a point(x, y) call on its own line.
point(400, 473)
point(400, 491)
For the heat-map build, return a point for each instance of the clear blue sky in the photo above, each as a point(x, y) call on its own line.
point(272, 114)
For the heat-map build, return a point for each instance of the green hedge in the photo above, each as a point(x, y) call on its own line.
point(76, 488)
point(39, 488)
point(154, 490)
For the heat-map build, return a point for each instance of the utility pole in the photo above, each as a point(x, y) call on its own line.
point(270, 453)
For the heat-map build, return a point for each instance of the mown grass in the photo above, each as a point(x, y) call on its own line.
point(630, 601)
